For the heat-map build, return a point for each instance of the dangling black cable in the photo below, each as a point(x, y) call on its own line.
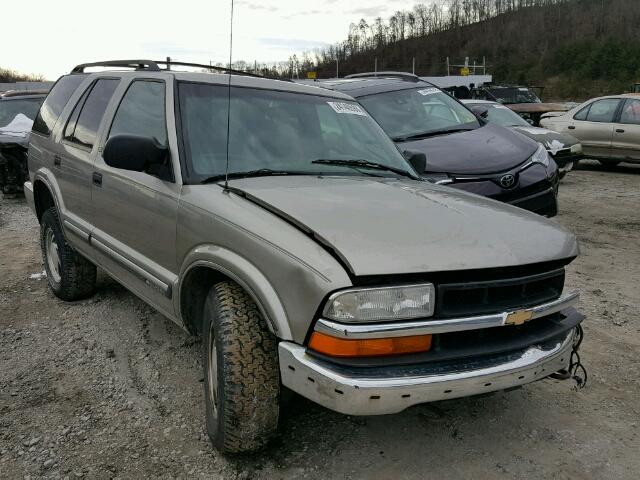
point(226, 173)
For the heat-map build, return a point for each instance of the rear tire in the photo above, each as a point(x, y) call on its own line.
point(609, 164)
point(241, 372)
point(70, 275)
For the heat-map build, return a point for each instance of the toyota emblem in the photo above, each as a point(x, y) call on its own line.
point(507, 181)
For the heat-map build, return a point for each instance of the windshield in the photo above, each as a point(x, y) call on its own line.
point(278, 131)
point(406, 113)
point(513, 95)
point(9, 109)
point(501, 115)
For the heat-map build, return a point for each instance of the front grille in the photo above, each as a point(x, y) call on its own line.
point(479, 298)
point(521, 192)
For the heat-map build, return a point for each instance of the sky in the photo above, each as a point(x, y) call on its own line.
point(54, 36)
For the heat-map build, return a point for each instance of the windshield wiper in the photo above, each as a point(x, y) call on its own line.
point(261, 172)
point(360, 163)
point(432, 133)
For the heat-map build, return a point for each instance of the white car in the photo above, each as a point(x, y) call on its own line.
point(608, 127)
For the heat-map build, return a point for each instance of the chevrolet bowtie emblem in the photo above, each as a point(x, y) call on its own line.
point(519, 317)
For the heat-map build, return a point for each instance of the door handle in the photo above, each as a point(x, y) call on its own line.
point(571, 127)
point(57, 160)
point(97, 179)
point(619, 130)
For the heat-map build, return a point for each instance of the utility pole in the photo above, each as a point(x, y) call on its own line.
point(337, 70)
point(447, 66)
point(168, 63)
point(414, 66)
point(375, 65)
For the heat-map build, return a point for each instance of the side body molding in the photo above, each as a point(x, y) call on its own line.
point(243, 272)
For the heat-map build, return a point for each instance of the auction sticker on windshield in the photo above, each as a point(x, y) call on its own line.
point(428, 91)
point(351, 108)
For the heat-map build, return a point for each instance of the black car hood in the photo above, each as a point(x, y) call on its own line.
point(488, 149)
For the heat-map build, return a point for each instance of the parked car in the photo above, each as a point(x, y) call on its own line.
point(18, 108)
point(562, 147)
point(608, 128)
point(297, 241)
point(462, 150)
point(521, 99)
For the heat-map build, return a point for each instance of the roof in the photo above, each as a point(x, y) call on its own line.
point(23, 93)
point(477, 102)
point(152, 69)
point(359, 87)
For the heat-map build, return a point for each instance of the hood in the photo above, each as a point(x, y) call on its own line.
point(17, 131)
point(552, 141)
point(379, 226)
point(488, 149)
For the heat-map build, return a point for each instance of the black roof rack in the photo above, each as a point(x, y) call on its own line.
point(135, 64)
point(154, 66)
point(409, 77)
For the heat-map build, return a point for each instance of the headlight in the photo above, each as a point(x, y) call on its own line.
point(577, 148)
point(380, 304)
point(540, 156)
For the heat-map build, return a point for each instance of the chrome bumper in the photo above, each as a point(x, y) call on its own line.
point(357, 395)
point(424, 327)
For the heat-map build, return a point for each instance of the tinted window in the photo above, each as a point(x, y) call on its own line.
point(55, 103)
point(501, 115)
point(631, 112)
point(73, 118)
point(279, 131)
point(142, 112)
point(582, 114)
point(603, 110)
point(91, 113)
point(405, 113)
point(10, 109)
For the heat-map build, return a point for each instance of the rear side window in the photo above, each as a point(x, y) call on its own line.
point(82, 127)
point(142, 112)
point(582, 114)
point(603, 110)
point(631, 112)
point(55, 103)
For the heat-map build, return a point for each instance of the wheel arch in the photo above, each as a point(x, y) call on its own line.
point(43, 199)
point(208, 265)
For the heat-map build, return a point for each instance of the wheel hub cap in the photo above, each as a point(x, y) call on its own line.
point(213, 371)
point(53, 256)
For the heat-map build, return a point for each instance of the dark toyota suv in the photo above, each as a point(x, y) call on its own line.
point(462, 150)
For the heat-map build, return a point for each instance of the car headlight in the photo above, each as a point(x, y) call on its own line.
point(540, 156)
point(381, 304)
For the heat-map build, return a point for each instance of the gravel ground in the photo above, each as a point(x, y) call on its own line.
point(108, 388)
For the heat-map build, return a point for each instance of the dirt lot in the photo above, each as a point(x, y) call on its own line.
point(108, 388)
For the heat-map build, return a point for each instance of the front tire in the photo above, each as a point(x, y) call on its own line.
point(241, 373)
point(70, 275)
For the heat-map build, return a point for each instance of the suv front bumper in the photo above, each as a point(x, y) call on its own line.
point(358, 395)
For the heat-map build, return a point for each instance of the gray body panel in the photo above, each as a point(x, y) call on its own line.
point(406, 226)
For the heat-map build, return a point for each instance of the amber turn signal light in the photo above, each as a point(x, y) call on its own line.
point(372, 347)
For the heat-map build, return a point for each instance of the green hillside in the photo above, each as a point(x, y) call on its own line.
point(575, 48)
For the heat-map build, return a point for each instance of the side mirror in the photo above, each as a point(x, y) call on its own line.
point(481, 111)
point(134, 152)
point(418, 160)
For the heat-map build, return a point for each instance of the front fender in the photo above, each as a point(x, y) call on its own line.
point(243, 272)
